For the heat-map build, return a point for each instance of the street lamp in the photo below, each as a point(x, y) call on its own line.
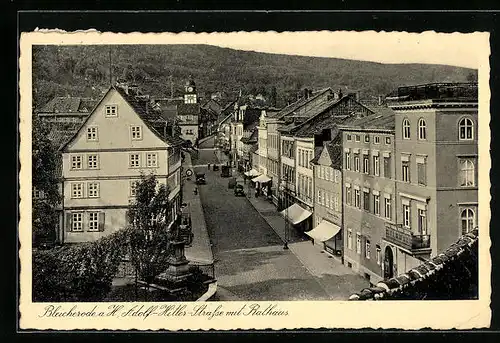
point(283, 188)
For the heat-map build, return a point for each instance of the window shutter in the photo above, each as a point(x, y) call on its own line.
point(101, 221)
point(69, 218)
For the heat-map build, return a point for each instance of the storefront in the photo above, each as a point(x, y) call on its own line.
point(298, 216)
point(330, 235)
point(263, 185)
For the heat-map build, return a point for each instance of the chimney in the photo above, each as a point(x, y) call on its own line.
point(306, 93)
point(380, 100)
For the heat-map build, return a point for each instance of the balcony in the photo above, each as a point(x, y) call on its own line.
point(405, 239)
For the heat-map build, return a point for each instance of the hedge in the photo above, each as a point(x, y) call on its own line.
point(82, 272)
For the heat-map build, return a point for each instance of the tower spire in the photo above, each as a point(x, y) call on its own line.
point(110, 69)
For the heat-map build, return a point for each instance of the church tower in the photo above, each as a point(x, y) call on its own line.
point(190, 96)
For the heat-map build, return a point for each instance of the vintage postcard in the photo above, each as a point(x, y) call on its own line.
point(254, 180)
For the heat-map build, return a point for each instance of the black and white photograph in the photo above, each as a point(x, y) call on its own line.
point(259, 169)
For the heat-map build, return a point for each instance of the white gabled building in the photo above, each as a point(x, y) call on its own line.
point(122, 138)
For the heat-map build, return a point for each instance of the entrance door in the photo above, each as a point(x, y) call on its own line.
point(388, 263)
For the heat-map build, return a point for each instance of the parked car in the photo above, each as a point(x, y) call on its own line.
point(238, 190)
point(226, 171)
point(200, 179)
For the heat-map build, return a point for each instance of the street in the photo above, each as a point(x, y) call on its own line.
point(251, 263)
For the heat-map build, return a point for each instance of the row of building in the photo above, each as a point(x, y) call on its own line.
point(382, 186)
point(194, 118)
point(106, 146)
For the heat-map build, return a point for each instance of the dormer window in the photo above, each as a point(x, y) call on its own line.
point(111, 110)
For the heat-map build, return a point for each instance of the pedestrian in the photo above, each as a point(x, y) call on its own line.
point(208, 166)
point(196, 190)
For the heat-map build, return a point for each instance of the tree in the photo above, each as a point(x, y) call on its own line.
point(472, 77)
point(45, 180)
point(148, 234)
point(274, 97)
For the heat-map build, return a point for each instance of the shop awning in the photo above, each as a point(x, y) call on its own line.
point(261, 179)
point(296, 214)
point(252, 172)
point(324, 231)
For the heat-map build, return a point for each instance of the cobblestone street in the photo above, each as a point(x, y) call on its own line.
point(251, 263)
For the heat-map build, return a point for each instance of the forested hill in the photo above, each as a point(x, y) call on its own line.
point(84, 71)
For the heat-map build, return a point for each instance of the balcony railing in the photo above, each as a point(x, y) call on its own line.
point(406, 239)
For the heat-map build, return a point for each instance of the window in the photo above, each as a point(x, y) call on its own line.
point(406, 129)
point(93, 221)
point(367, 250)
point(376, 204)
point(77, 221)
point(152, 160)
point(367, 139)
point(376, 140)
point(422, 129)
point(366, 200)
point(466, 129)
point(467, 173)
point(37, 194)
point(77, 190)
point(348, 195)
point(348, 161)
point(387, 140)
point(337, 205)
point(320, 198)
point(468, 220)
point(387, 167)
point(93, 189)
point(376, 166)
point(348, 137)
point(357, 198)
point(327, 200)
point(133, 188)
point(356, 162)
point(358, 243)
point(406, 216)
point(92, 133)
point(421, 172)
point(76, 162)
point(422, 222)
point(135, 160)
point(111, 110)
point(405, 171)
point(366, 165)
point(136, 133)
point(93, 161)
point(349, 239)
point(379, 255)
point(388, 208)
point(358, 138)
point(335, 176)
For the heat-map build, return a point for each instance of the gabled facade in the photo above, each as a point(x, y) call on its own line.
point(120, 139)
point(327, 197)
point(189, 114)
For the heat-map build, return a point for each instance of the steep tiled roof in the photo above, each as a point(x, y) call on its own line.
point(153, 119)
point(188, 108)
point(383, 119)
point(450, 274)
point(334, 151)
point(68, 105)
point(297, 104)
point(321, 118)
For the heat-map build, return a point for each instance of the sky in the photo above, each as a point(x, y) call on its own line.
point(457, 49)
